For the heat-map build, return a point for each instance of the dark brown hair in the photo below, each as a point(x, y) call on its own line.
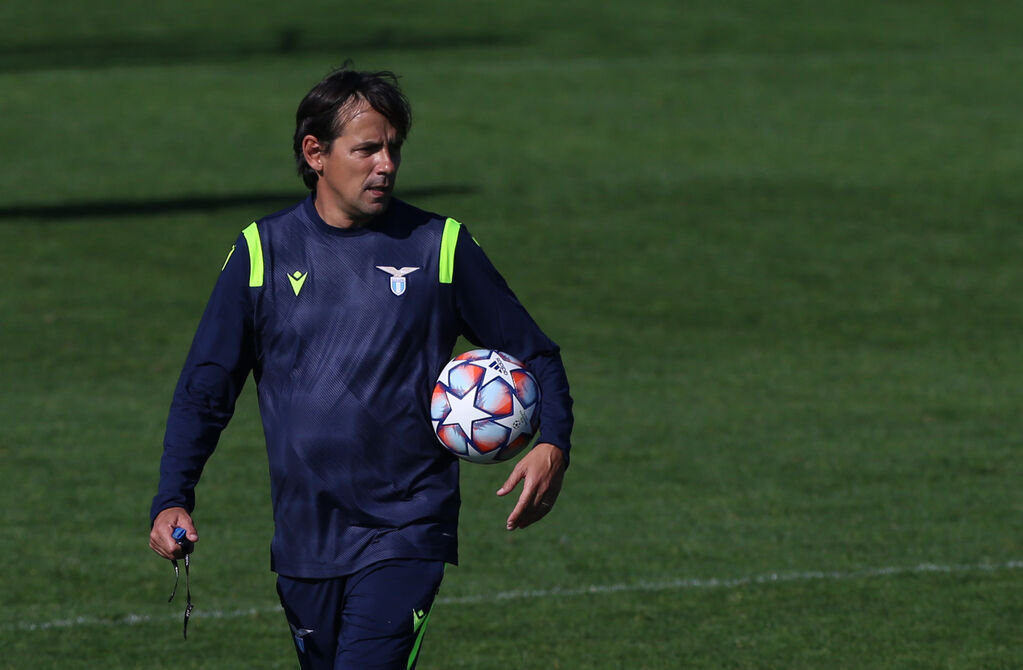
point(321, 112)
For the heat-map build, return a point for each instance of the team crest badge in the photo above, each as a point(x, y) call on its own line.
point(398, 277)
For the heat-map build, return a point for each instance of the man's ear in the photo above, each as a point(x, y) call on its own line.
point(314, 152)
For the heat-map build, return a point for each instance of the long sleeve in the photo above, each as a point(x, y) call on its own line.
point(218, 362)
point(493, 317)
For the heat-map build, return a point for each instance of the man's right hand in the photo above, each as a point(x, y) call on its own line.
point(160, 538)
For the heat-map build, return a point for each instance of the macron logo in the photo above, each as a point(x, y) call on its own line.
point(297, 280)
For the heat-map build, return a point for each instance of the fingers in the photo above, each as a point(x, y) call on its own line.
point(526, 499)
point(513, 480)
point(517, 475)
point(161, 539)
point(529, 509)
point(541, 474)
point(520, 513)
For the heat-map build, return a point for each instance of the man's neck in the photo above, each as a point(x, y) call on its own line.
point(335, 216)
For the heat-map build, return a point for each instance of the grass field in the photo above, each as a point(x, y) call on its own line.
point(779, 244)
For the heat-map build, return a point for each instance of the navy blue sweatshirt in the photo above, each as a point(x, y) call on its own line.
point(344, 353)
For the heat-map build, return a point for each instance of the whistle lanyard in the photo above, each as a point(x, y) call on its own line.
point(188, 592)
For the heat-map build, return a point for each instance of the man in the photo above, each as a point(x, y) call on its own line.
point(365, 501)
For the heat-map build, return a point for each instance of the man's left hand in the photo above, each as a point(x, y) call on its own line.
point(541, 472)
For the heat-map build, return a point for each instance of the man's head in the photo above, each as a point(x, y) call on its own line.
point(348, 135)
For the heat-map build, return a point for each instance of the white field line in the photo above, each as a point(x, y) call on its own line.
point(595, 589)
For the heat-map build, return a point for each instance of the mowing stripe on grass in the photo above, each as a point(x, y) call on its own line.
point(595, 589)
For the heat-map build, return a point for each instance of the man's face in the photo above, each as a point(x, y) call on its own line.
point(357, 175)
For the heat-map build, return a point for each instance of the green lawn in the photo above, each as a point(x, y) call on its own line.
point(779, 244)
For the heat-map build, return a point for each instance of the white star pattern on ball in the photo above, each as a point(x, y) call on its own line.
point(518, 421)
point(494, 401)
point(464, 412)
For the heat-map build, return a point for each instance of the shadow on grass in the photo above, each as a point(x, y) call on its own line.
point(129, 50)
point(266, 202)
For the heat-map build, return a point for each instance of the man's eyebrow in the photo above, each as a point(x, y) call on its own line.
point(366, 144)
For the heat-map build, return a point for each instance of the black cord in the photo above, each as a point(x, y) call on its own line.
point(188, 593)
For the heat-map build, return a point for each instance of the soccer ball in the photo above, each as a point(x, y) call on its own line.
point(485, 406)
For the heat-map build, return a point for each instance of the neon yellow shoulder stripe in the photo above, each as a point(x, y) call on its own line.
point(255, 255)
point(228, 259)
point(448, 242)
